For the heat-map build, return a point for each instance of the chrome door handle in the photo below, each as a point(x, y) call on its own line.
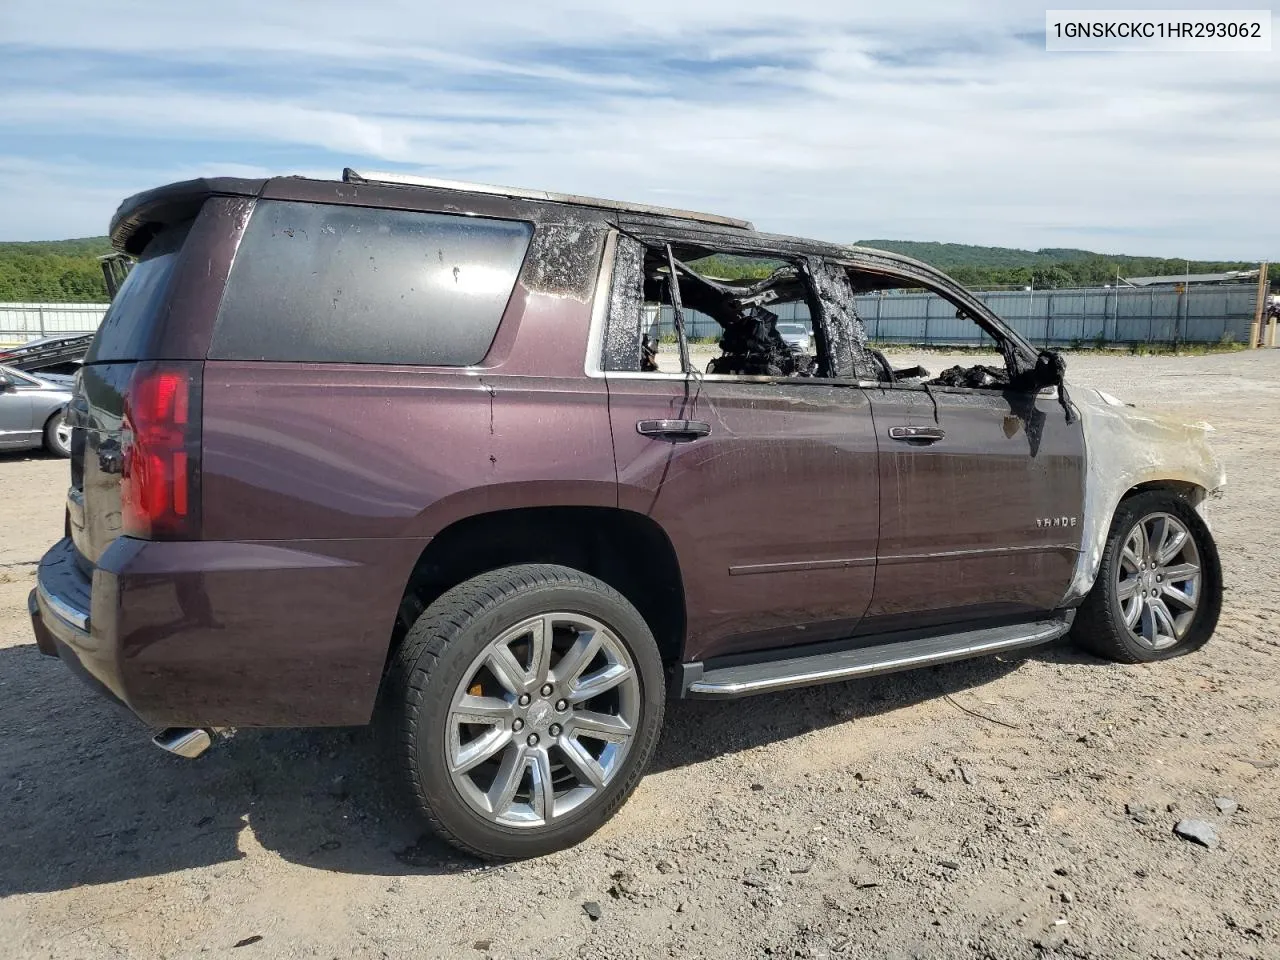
point(920, 435)
point(678, 430)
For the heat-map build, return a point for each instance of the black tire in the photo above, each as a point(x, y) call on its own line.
point(1099, 625)
point(51, 441)
point(429, 666)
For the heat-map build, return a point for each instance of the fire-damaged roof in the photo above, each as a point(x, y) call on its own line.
point(526, 193)
point(142, 215)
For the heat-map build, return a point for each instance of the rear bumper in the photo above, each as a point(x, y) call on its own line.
point(227, 634)
point(60, 602)
point(60, 608)
point(47, 639)
point(45, 642)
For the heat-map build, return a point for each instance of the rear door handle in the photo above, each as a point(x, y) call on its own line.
point(678, 430)
point(921, 435)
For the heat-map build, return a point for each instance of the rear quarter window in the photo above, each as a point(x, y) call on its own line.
point(138, 309)
point(336, 284)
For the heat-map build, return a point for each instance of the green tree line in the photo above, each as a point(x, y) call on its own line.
point(56, 271)
point(1048, 268)
point(67, 271)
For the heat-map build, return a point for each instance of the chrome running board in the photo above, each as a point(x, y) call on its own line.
point(886, 657)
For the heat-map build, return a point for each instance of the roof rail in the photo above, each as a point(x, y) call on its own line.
point(351, 176)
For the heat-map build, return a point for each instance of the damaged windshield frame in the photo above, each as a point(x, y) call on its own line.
point(858, 362)
point(1025, 367)
point(1019, 355)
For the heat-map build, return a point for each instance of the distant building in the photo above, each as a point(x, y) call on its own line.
point(1231, 276)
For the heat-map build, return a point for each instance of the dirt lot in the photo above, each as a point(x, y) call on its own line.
point(973, 810)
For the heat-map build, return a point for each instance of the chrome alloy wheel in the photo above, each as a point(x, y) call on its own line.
point(542, 720)
point(1158, 580)
point(63, 433)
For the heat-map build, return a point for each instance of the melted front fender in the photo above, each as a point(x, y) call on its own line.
point(1126, 446)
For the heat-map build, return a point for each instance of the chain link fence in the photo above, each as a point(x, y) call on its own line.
point(20, 322)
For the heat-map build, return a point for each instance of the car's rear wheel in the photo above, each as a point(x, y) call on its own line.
point(524, 706)
point(57, 435)
point(1159, 587)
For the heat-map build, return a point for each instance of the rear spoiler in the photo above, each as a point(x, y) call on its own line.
point(145, 214)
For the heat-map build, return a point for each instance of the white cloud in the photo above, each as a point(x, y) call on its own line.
point(942, 122)
point(45, 201)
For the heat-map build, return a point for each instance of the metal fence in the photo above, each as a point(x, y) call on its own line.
point(1100, 315)
point(20, 322)
point(1095, 316)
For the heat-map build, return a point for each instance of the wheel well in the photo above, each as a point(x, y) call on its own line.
point(1193, 493)
point(626, 550)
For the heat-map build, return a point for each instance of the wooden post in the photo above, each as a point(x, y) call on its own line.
point(1271, 319)
point(1260, 310)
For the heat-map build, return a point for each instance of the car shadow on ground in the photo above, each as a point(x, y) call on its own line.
point(86, 799)
point(31, 453)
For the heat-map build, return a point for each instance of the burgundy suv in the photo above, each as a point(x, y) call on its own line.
point(415, 448)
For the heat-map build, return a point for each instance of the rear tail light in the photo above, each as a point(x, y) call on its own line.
point(160, 449)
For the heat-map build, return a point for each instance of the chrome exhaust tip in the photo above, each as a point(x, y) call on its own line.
point(187, 742)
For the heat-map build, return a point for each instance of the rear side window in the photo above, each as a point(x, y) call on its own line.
point(137, 309)
point(336, 284)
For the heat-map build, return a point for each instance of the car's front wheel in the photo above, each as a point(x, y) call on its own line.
point(525, 704)
point(1159, 587)
point(57, 435)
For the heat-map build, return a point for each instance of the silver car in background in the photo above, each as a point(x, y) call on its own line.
point(798, 336)
point(32, 411)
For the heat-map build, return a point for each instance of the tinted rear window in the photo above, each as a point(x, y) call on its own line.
point(132, 319)
point(323, 283)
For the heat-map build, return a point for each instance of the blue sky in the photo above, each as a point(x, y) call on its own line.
point(928, 121)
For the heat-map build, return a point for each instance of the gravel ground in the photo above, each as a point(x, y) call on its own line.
point(1010, 807)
